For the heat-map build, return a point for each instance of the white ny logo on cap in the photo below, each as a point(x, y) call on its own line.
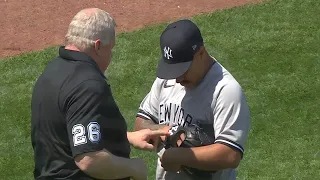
point(167, 52)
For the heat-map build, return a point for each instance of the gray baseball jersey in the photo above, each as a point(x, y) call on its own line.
point(217, 101)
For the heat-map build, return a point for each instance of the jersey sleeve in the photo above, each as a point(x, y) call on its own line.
point(231, 117)
point(92, 117)
point(148, 108)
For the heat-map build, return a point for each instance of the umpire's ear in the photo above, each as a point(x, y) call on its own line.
point(97, 45)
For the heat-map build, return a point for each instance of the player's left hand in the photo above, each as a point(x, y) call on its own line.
point(168, 160)
point(140, 139)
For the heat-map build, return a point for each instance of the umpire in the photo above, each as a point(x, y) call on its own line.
point(77, 130)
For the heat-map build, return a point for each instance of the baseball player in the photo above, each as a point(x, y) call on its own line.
point(192, 87)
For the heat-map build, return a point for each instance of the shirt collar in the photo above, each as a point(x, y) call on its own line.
point(78, 56)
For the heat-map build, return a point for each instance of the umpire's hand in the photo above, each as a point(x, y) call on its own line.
point(140, 139)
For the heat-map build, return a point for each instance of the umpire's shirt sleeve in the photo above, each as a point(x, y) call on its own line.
point(92, 117)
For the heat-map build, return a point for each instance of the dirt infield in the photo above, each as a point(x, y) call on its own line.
point(28, 25)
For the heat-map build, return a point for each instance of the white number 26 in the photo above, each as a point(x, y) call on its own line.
point(79, 133)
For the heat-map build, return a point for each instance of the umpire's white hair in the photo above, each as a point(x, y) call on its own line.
point(89, 25)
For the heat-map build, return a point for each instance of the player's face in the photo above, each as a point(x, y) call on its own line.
point(184, 80)
point(193, 76)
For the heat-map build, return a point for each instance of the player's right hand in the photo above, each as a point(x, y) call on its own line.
point(140, 170)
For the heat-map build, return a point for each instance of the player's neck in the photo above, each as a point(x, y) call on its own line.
point(209, 63)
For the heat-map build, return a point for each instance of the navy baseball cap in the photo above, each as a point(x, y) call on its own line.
point(178, 42)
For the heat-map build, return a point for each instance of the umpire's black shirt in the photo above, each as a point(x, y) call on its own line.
point(73, 112)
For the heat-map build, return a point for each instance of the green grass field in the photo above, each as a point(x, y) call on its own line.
point(271, 48)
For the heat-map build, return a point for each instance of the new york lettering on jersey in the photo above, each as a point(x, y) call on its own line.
point(170, 113)
point(180, 107)
point(175, 106)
